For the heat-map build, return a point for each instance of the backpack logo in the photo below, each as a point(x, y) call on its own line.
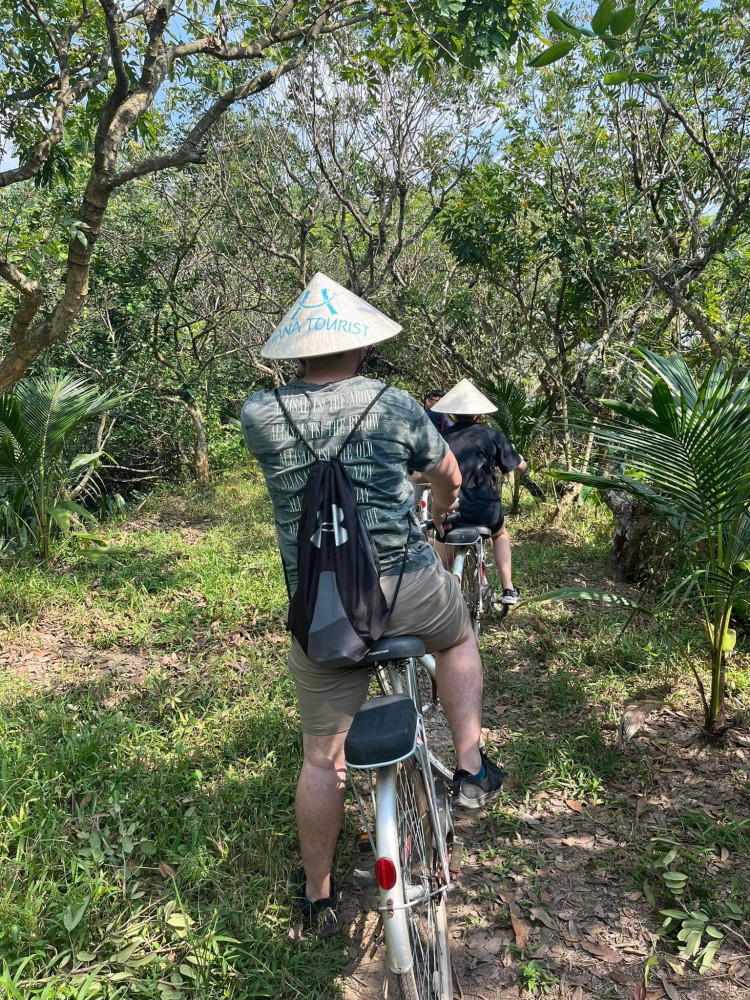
point(340, 535)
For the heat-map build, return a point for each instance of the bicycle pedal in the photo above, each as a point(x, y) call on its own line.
point(454, 862)
point(362, 843)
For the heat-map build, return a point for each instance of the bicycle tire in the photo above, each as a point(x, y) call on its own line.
point(470, 588)
point(430, 977)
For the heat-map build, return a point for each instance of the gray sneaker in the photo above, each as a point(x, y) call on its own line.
point(473, 793)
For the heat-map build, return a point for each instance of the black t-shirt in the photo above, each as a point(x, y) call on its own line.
point(479, 451)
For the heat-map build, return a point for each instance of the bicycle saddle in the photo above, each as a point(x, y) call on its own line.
point(461, 536)
point(383, 732)
point(393, 647)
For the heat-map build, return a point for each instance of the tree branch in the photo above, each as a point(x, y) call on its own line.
point(32, 294)
point(113, 34)
point(67, 96)
point(213, 46)
point(192, 150)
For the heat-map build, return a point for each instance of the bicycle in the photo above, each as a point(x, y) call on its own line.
point(407, 816)
point(468, 562)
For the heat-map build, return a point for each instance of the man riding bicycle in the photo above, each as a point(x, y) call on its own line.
point(331, 331)
point(479, 450)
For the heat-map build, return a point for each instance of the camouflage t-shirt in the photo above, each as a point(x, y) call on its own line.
point(395, 432)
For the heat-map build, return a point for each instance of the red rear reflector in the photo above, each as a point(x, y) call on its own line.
point(385, 873)
point(423, 504)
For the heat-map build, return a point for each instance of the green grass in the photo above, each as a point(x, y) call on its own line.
point(151, 844)
point(147, 842)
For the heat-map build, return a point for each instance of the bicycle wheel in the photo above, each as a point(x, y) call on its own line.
point(470, 588)
point(430, 975)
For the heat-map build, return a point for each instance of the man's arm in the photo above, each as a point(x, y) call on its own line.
point(445, 479)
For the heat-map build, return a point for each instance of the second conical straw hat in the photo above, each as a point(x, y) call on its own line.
point(325, 319)
point(464, 398)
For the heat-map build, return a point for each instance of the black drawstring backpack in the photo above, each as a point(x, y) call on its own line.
point(338, 610)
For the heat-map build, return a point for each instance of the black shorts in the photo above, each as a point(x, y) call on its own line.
point(472, 522)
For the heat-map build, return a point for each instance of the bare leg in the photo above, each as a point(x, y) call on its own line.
point(501, 552)
point(320, 808)
point(459, 680)
point(445, 554)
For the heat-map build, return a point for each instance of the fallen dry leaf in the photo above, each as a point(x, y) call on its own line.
point(639, 991)
point(166, 871)
point(634, 716)
point(577, 994)
point(620, 977)
point(480, 953)
point(724, 854)
point(669, 988)
point(575, 806)
point(543, 917)
point(602, 951)
point(521, 930)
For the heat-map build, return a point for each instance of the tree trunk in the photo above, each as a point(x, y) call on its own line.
point(516, 492)
point(716, 715)
point(201, 466)
point(200, 462)
point(631, 521)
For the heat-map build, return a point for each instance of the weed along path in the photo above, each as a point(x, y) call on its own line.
point(149, 750)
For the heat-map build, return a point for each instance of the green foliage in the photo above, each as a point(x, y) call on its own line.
point(683, 450)
point(521, 418)
point(647, 43)
point(536, 979)
point(694, 921)
point(36, 419)
point(556, 51)
point(584, 594)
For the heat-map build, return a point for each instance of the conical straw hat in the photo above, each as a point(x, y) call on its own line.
point(464, 398)
point(325, 319)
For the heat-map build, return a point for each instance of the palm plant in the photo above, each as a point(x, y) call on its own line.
point(521, 420)
point(36, 418)
point(684, 451)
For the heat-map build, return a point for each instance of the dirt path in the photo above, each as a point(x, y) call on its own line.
point(561, 885)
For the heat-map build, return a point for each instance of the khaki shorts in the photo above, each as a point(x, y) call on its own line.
point(429, 605)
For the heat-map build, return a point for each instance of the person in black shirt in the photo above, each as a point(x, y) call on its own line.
point(441, 420)
point(479, 451)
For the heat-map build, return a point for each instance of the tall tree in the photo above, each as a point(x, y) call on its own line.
point(106, 74)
